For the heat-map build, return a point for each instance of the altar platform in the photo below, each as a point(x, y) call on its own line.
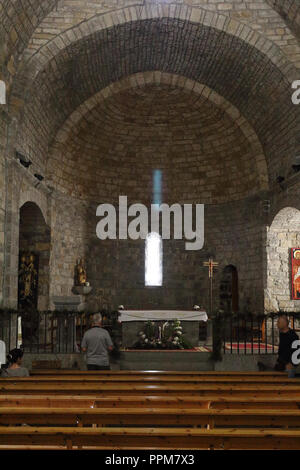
point(187, 360)
point(133, 322)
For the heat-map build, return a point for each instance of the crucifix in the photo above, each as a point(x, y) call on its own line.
point(211, 264)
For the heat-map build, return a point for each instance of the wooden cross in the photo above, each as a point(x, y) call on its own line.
point(211, 264)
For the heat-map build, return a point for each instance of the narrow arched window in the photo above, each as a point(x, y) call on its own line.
point(2, 92)
point(153, 260)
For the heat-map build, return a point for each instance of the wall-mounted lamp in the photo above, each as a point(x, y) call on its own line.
point(23, 160)
point(38, 177)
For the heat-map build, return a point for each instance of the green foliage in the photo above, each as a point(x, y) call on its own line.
point(162, 335)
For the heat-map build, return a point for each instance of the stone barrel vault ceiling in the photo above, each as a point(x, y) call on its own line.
point(113, 149)
point(234, 69)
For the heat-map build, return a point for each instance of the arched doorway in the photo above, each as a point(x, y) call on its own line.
point(229, 290)
point(34, 256)
point(33, 271)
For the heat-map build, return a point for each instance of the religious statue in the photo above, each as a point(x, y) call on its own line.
point(80, 274)
point(28, 279)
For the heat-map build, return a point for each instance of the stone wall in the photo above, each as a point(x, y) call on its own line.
point(2, 197)
point(281, 236)
point(115, 268)
point(241, 56)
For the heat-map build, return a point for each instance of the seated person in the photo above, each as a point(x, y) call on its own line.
point(287, 336)
point(14, 368)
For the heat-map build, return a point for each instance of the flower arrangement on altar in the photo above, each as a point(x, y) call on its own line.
point(162, 335)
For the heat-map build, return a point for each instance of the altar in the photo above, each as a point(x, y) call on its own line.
point(133, 322)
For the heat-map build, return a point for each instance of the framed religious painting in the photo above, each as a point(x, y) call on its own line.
point(295, 272)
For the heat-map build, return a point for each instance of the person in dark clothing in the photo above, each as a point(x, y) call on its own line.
point(287, 336)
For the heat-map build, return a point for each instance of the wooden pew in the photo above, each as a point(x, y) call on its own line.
point(148, 438)
point(150, 417)
point(55, 372)
point(216, 402)
point(100, 389)
point(153, 379)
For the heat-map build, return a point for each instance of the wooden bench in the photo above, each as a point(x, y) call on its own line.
point(43, 364)
point(150, 417)
point(159, 373)
point(100, 389)
point(154, 379)
point(148, 438)
point(218, 402)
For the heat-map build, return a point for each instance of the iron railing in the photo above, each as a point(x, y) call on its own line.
point(61, 332)
point(50, 332)
point(253, 334)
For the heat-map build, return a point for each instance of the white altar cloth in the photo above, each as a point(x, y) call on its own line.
point(162, 315)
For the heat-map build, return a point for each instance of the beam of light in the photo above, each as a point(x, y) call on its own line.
point(157, 187)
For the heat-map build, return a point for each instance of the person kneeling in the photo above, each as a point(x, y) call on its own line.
point(287, 336)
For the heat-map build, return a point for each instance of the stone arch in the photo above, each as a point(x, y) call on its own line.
point(290, 12)
point(36, 197)
point(252, 93)
point(35, 241)
point(282, 235)
point(156, 77)
point(288, 217)
point(148, 11)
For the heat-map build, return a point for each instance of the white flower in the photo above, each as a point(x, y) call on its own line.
point(146, 341)
point(176, 338)
point(179, 332)
point(141, 333)
point(143, 336)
